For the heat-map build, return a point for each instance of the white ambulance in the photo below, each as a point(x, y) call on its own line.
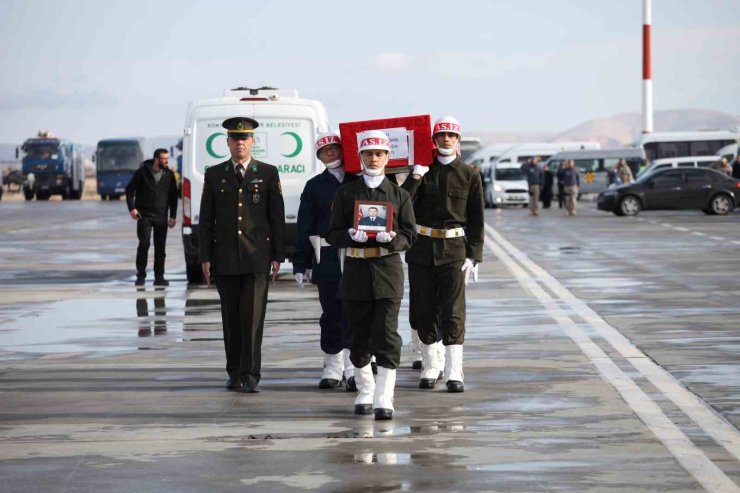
point(288, 126)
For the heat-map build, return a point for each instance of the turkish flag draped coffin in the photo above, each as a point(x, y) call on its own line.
point(410, 136)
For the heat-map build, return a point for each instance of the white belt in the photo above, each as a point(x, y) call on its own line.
point(317, 242)
point(440, 233)
point(372, 252)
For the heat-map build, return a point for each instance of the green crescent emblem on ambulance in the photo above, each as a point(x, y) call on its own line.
point(298, 144)
point(209, 146)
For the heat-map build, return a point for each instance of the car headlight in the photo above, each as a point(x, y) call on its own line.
point(498, 188)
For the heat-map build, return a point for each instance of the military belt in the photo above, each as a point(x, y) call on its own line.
point(440, 233)
point(372, 252)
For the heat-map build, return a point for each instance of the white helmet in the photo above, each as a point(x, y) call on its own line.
point(326, 139)
point(447, 124)
point(373, 139)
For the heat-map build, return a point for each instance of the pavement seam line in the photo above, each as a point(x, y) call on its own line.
point(691, 458)
point(706, 418)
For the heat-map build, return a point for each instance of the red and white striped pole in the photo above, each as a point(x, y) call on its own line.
point(647, 82)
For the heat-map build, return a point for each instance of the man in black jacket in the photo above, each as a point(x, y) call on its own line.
point(150, 195)
point(242, 231)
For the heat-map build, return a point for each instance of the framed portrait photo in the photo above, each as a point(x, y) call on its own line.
point(373, 217)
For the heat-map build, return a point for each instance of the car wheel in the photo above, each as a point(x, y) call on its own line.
point(721, 204)
point(630, 206)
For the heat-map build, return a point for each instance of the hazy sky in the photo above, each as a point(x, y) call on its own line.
point(94, 69)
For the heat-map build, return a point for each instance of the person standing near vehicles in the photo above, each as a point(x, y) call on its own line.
point(736, 168)
point(372, 282)
point(535, 180)
point(547, 182)
point(242, 237)
point(151, 197)
point(448, 205)
point(623, 172)
point(571, 182)
point(722, 166)
point(559, 179)
point(318, 262)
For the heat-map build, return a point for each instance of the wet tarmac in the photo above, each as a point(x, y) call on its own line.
point(104, 387)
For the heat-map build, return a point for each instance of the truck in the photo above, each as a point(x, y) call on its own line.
point(51, 166)
point(288, 126)
point(115, 163)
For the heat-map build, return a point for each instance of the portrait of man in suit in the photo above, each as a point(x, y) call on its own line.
point(374, 219)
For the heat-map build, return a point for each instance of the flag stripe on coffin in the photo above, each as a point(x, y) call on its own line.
point(420, 125)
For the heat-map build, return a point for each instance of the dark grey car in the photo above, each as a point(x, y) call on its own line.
point(674, 188)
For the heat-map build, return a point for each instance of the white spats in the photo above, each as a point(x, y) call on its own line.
point(333, 366)
point(384, 387)
point(454, 363)
point(365, 385)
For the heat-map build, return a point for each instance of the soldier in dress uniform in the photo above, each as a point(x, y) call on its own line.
point(242, 237)
point(318, 262)
point(372, 283)
point(448, 205)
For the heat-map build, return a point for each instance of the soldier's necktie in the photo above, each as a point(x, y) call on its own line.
point(239, 174)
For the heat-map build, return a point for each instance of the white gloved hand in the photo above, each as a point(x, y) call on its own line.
point(468, 267)
point(298, 279)
point(385, 236)
point(420, 170)
point(307, 275)
point(358, 236)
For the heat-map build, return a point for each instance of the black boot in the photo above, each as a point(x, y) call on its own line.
point(383, 414)
point(363, 408)
point(351, 385)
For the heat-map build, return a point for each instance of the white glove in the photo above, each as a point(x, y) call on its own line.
point(358, 236)
point(385, 236)
point(307, 275)
point(298, 279)
point(468, 267)
point(420, 170)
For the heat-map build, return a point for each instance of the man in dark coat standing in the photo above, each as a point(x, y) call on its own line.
point(242, 237)
point(546, 194)
point(372, 282)
point(150, 195)
point(448, 206)
point(318, 262)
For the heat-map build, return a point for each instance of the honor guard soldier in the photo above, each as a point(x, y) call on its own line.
point(242, 237)
point(318, 262)
point(372, 283)
point(448, 205)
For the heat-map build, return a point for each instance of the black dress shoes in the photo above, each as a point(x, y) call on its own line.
point(455, 386)
point(382, 414)
point(328, 383)
point(351, 385)
point(251, 388)
point(139, 281)
point(161, 281)
point(363, 408)
point(427, 383)
point(416, 365)
point(233, 384)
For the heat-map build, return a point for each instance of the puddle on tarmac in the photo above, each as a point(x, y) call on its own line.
point(90, 325)
point(529, 466)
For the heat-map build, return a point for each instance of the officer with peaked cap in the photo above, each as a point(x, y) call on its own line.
point(372, 283)
point(241, 239)
point(318, 262)
point(448, 204)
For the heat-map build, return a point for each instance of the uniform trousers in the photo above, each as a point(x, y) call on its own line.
point(373, 331)
point(243, 302)
point(437, 298)
point(144, 227)
point(333, 321)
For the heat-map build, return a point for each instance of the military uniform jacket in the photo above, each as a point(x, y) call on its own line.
point(380, 277)
point(448, 196)
point(242, 228)
point(313, 219)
